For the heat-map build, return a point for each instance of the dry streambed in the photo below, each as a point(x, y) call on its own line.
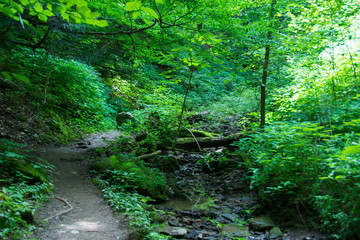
point(218, 204)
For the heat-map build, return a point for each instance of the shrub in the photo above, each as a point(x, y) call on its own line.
point(24, 183)
point(133, 174)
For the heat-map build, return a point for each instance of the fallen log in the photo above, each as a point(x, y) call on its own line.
point(207, 142)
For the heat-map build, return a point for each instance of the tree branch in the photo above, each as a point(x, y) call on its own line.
point(36, 45)
point(124, 32)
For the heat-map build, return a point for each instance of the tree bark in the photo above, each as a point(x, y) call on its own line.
point(265, 68)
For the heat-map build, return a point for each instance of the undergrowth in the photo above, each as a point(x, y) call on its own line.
point(115, 187)
point(24, 185)
point(307, 164)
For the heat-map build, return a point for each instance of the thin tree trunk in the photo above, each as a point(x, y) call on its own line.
point(184, 102)
point(265, 68)
point(263, 84)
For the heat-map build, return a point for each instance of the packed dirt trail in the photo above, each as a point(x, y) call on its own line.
point(78, 210)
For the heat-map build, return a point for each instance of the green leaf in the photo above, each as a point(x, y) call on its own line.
point(17, 6)
point(65, 16)
point(38, 7)
point(81, 3)
point(101, 23)
point(339, 177)
point(159, 1)
point(84, 11)
point(42, 17)
point(132, 6)
point(8, 11)
point(25, 2)
point(21, 78)
point(48, 13)
point(7, 75)
point(151, 12)
point(13, 155)
point(135, 15)
point(49, 6)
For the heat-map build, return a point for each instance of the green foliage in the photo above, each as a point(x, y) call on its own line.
point(336, 191)
point(133, 205)
point(156, 125)
point(216, 161)
point(18, 166)
point(70, 96)
point(133, 174)
point(73, 11)
point(285, 159)
point(307, 163)
point(24, 184)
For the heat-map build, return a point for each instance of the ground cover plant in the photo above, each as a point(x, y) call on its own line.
point(24, 185)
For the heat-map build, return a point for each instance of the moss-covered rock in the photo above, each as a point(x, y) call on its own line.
point(102, 165)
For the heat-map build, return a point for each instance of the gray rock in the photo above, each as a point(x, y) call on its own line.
point(122, 117)
point(275, 233)
point(235, 230)
point(176, 232)
point(261, 223)
point(173, 222)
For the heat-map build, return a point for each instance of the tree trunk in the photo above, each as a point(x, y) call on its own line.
point(265, 68)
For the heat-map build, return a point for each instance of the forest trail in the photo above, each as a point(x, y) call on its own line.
point(91, 218)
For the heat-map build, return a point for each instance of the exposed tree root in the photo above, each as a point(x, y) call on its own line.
point(62, 212)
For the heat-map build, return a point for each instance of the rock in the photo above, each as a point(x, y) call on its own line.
point(261, 223)
point(192, 235)
point(230, 217)
point(159, 218)
point(176, 232)
point(122, 117)
point(173, 222)
point(235, 230)
point(275, 233)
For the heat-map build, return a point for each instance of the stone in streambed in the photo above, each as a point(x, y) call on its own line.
point(234, 230)
point(173, 222)
point(262, 223)
point(175, 232)
point(275, 233)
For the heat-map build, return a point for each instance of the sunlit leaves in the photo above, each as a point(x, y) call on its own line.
point(132, 6)
point(136, 7)
point(15, 77)
point(135, 15)
point(151, 12)
point(74, 11)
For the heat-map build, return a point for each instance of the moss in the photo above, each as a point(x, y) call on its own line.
point(101, 166)
point(184, 133)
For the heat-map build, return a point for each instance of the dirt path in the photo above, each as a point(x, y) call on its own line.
point(91, 218)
